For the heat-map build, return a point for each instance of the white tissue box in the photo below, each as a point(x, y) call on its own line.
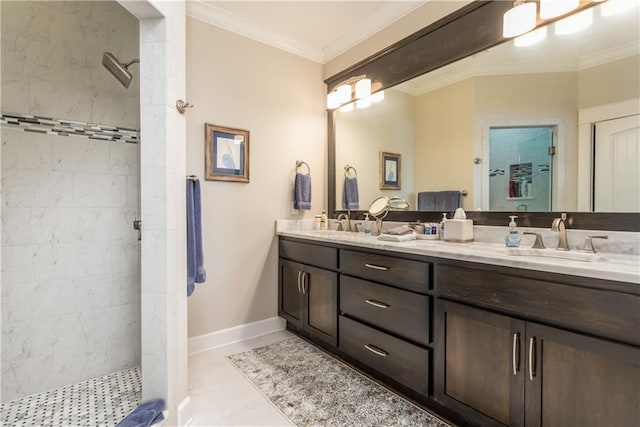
point(458, 230)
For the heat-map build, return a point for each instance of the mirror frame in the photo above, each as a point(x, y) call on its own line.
point(467, 31)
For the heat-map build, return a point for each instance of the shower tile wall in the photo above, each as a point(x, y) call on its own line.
point(70, 259)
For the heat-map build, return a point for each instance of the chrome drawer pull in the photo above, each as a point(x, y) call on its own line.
point(377, 303)
point(376, 350)
point(532, 346)
point(516, 353)
point(376, 267)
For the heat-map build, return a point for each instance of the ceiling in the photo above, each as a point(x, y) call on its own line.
point(316, 30)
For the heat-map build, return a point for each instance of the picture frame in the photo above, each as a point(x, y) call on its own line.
point(390, 172)
point(226, 153)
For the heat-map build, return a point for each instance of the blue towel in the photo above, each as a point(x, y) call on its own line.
point(195, 256)
point(144, 415)
point(302, 192)
point(350, 197)
point(439, 201)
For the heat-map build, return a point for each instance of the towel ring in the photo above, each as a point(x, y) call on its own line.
point(300, 163)
point(347, 168)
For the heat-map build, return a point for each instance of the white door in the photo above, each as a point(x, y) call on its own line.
point(617, 161)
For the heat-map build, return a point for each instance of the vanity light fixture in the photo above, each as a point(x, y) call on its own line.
point(344, 93)
point(574, 23)
point(553, 8)
point(531, 38)
point(359, 86)
point(613, 7)
point(333, 100)
point(520, 19)
point(363, 88)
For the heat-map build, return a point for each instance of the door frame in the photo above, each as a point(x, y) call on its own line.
point(587, 118)
point(558, 161)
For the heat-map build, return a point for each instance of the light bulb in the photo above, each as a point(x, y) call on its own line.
point(519, 20)
point(553, 8)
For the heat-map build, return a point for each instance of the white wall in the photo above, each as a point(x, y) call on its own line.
point(71, 288)
point(237, 82)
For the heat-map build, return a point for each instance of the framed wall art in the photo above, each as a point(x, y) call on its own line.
point(226, 154)
point(389, 171)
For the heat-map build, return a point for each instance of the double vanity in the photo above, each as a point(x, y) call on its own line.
point(481, 334)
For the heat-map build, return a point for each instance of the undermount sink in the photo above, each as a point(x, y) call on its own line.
point(553, 253)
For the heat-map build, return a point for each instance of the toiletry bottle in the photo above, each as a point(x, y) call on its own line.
point(442, 224)
point(367, 225)
point(513, 237)
point(324, 222)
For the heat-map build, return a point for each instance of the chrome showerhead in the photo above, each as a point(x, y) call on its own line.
point(119, 70)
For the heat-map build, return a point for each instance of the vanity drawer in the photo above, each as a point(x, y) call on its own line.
point(398, 272)
point(608, 314)
point(307, 253)
point(399, 312)
point(405, 363)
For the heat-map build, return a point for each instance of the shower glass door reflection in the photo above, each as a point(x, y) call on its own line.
point(520, 168)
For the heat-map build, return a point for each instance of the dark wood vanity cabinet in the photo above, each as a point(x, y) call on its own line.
point(500, 369)
point(481, 344)
point(308, 295)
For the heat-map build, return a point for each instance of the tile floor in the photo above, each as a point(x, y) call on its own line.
point(222, 396)
point(101, 401)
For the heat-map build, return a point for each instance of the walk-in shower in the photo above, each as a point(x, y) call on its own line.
point(119, 70)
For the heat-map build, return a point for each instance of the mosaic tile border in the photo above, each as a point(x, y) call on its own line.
point(312, 388)
point(101, 401)
point(62, 127)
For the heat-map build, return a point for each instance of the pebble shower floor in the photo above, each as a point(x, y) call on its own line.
point(102, 401)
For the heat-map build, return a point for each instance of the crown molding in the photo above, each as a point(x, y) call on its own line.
point(382, 18)
point(219, 17)
point(373, 24)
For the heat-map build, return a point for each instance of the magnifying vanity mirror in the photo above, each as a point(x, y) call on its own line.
point(548, 127)
point(381, 206)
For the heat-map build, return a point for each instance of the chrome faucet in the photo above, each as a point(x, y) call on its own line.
point(559, 225)
point(340, 218)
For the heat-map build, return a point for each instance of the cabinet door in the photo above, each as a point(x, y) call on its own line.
point(577, 380)
point(320, 288)
point(291, 302)
point(479, 368)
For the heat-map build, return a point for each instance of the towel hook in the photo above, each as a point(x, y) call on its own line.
point(349, 167)
point(300, 163)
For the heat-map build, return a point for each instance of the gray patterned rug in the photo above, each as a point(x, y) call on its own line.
point(312, 388)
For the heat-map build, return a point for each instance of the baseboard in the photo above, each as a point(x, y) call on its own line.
point(184, 413)
point(237, 333)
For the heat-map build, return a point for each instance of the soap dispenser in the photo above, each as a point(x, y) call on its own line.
point(367, 225)
point(513, 237)
point(442, 224)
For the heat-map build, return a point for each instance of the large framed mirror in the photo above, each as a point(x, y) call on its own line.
point(506, 128)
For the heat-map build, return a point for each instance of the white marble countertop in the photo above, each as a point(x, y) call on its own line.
point(610, 266)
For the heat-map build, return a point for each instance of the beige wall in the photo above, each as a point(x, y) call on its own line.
point(444, 140)
point(237, 82)
point(604, 84)
point(407, 25)
point(363, 133)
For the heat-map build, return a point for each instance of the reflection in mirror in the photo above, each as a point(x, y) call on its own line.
point(512, 127)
